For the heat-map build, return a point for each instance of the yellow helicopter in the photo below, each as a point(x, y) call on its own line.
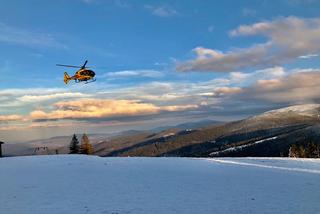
point(81, 75)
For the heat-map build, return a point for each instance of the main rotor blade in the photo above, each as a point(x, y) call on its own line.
point(70, 66)
point(84, 65)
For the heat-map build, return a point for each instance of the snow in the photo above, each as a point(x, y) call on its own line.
point(305, 109)
point(273, 163)
point(169, 134)
point(88, 184)
point(236, 148)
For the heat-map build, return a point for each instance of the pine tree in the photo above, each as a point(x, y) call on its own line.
point(302, 152)
point(74, 145)
point(86, 147)
point(90, 149)
point(293, 151)
point(310, 150)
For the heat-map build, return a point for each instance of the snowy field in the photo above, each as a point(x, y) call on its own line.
point(86, 184)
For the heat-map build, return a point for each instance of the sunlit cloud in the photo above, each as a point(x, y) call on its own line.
point(99, 108)
point(12, 117)
point(288, 38)
point(227, 91)
point(294, 88)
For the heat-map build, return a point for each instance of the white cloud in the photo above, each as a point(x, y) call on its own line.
point(118, 3)
point(268, 73)
point(134, 73)
point(88, 1)
point(39, 98)
point(308, 56)
point(239, 76)
point(248, 12)
point(161, 11)
point(288, 38)
point(300, 2)
point(9, 34)
point(211, 28)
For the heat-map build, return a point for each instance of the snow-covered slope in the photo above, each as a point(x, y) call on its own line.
point(303, 110)
point(306, 114)
point(236, 148)
point(86, 184)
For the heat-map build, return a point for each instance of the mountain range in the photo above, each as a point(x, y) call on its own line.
point(270, 134)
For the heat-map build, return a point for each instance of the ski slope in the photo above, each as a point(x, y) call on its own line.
point(76, 184)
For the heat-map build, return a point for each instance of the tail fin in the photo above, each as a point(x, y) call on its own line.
point(66, 78)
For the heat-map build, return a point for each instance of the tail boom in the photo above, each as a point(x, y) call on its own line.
point(66, 78)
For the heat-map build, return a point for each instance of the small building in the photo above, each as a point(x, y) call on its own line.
point(1, 149)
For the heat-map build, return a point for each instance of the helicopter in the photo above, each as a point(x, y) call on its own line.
point(81, 75)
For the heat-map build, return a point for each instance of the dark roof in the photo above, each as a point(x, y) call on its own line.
point(1, 142)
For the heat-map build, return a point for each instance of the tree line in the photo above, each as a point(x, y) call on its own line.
point(84, 148)
point(309, 150)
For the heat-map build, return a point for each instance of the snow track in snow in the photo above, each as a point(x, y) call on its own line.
point(235, 148)
point(242, 163)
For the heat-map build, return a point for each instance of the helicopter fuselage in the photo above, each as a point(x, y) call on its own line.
point(84, 75)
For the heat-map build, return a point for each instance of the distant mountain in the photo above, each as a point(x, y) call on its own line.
point(119, 146)
point(190, 125)
point(59, 144)
point(268, 134)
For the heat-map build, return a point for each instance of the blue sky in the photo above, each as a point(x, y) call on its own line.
point(164, 61)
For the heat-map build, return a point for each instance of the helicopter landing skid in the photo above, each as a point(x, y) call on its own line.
point(93, 80)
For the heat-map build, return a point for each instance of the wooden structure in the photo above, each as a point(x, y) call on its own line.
point(1, 149)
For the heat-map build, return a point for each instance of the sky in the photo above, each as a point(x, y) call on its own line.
point(157, 63)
